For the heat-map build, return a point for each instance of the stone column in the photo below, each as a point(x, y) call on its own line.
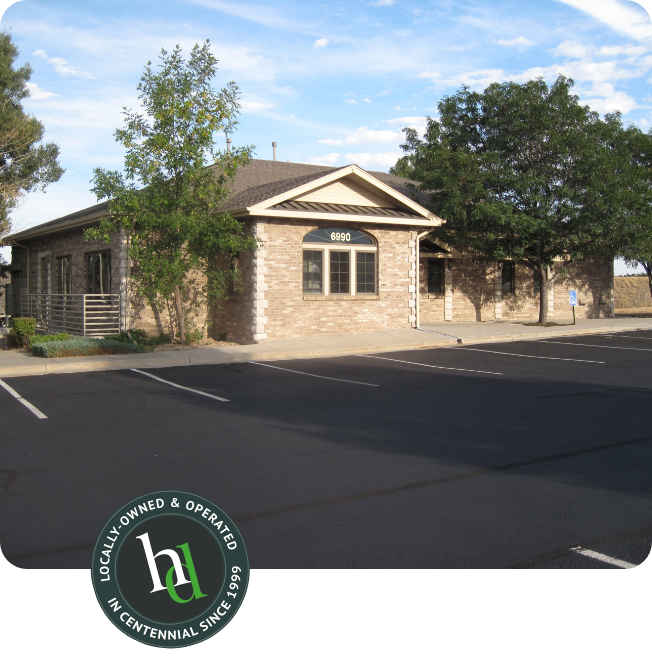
point(123, 282)
point(259, 286)
point(551, 297)
point(612, 303)
point(414, 278)
point(448, 291)
point(498, 292)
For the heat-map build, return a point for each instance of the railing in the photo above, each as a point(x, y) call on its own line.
point(77, 314)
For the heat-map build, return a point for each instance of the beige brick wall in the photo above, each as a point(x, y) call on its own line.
point(593, 280)
point(274, 288)
point(477, 292)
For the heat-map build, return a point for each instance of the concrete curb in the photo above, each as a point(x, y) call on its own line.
point(222, 357)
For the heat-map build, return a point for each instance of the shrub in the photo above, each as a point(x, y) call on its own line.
point(82, 347)
point(160, 340)
point(193, 334)
point(138, 336)
point(47, 339)
point(22, 329)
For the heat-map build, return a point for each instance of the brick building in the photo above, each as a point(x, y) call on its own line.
point(340, 253)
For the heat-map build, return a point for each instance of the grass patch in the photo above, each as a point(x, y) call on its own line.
point(84, 347)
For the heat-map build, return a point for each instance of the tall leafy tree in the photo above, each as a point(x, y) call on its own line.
point(26, 164)
point(524, 172)
point(168, 196)
point(636, 239)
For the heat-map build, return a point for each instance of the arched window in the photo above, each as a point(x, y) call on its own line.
point(338, 260)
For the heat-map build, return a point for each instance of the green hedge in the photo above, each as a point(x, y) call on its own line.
point(22, 328)
point(48, 338)
point(83, 347)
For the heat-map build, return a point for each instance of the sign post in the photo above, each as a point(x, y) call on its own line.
point(572, 294)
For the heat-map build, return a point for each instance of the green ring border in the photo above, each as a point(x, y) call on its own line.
point(235, 607)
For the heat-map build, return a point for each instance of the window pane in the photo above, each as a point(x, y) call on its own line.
point(65, 275)
point(312, 271)
point(508, 277)
point(435, 276)
point(365, 273)
point(98, 273)
point(340, 272)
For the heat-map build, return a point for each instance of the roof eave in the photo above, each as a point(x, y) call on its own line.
point(337, 217)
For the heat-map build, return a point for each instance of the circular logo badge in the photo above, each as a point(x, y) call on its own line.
point(170, 569)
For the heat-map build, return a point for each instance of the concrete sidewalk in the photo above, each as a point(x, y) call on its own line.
point(18, 363)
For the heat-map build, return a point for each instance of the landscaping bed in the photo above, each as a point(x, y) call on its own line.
point(83, 347)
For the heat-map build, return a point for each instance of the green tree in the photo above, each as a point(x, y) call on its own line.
point(168, 197)
point(523, 172)
point(26, 164)
point(636, 243)
point(402, 168)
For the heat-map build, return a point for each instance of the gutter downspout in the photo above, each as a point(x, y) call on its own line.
point(418, 282)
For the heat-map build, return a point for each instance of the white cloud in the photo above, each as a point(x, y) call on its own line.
point(622, 16)
point(624, 50)
point(329, 159)
point(349, 101)
point(517, 41)
point(570, 49)
point(367, 100)
point(62, 67)
point(256, 106)
point(36, 93)
point(478, 79)
point(417, 122)
point(381, 3)
point(321, 43)
point(382, 160)
point(617, 101)
point(363, 135)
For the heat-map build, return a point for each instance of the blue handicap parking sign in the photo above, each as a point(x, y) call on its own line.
point(573, 297)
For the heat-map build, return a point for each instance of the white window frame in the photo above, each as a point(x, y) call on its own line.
point(326, 248)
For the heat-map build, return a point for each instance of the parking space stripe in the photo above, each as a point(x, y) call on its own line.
point(601, 557)
point(619, 336)
point(20, 399)
point(178, 386)
point(323, 377)
point(414, 363)
point(529, 356)
point(609, 347)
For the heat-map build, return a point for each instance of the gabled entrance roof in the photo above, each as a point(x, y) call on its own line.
point(344, 194)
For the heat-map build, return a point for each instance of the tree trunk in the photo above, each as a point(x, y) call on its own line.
point(543, 295)
point(648, 270)
point(179, 306)
point(172, 332)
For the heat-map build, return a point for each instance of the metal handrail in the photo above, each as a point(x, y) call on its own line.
point(77, 314)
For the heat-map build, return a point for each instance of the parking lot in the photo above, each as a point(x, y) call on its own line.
point(522, 454)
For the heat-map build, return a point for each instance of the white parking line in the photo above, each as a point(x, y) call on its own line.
point(529, 356)
point(20, 399)
point(619, 336)
point(323, 377)
point(414, 363)
point(605, 559)
point(178, 386)
point(610, 347)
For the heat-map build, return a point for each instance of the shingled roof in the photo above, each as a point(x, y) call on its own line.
point(255, 182)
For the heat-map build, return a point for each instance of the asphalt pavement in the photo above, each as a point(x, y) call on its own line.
point(524, 454)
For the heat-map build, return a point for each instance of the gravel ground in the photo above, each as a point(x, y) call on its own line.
point(199, 345)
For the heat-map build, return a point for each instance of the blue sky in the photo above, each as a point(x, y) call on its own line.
point(331, 83)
